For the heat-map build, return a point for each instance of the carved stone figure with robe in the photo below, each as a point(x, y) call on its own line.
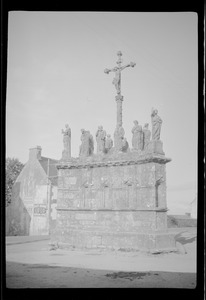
point(137, 138)
point(146, 136)
point(100, 138)
point(156, 125)
point(108, 143)
point(67, 142)
point(87, 146)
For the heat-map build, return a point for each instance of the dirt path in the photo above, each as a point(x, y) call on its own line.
point(45, 276)
point(33, 265)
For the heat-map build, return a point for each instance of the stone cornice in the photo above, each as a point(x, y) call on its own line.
point(113, 163)
point(160, 209)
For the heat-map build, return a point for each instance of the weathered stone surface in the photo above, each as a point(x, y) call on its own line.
point(87, 146)
point(146, 136)
point(115, 199)
point(66, 153)
point(119, 100)
point(117, 79)
point(117, 82)
point(137, 138)
point(119, 204)
point(156, 125)
point(155, 146)
point(113, 159)
point(100, 138)
point(108, 143)
point(118, 137)
point(120, 142)
point(112, 230)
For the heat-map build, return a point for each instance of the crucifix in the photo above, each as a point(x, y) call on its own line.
point(117, 82)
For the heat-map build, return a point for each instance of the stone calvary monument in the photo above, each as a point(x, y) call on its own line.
point(114, 198)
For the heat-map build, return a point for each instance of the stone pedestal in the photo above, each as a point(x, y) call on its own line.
point(155, 147)
point(66, 155)
point(113, 204)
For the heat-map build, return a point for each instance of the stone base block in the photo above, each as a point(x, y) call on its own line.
point(156, 147)
point(66, 155)
point(147, 242)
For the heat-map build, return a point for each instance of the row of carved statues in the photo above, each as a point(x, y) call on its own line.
point(140, 139)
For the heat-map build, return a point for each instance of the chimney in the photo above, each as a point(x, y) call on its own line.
point(35, 153)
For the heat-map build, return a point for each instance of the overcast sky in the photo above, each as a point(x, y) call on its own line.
point(56, 63)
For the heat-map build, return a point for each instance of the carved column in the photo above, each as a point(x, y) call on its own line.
point(119, 100)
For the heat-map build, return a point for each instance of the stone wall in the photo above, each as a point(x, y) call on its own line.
point(112, 205)
point(112, 187)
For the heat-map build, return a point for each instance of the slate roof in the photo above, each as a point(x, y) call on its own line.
point(52, 168)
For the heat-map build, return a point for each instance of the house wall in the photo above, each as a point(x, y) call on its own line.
point(18, 218)
point(53, 213)
point(28, 212)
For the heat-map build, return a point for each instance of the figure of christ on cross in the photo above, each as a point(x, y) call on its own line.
point(117, 79)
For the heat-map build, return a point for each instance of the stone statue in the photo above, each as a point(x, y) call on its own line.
point(87, 146)
point(156, 125)
point(117, 79)
point(137, 138)
point(125, 145)
point(67, 142)
point(91, 144)
point(118, 138)
point(108, 143)
point(100, 138)
point(146, 136)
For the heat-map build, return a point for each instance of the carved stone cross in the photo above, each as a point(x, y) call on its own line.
point(117, 82)
point(117, 79)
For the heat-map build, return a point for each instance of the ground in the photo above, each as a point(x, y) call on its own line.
point(30, 263)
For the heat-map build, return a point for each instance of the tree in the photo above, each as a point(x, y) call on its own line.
point(13, 169)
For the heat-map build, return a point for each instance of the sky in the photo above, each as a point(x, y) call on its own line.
point(55, 76)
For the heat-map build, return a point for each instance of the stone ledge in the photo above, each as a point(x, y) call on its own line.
point(102, 187)
point(112, 210)
point(91, 163)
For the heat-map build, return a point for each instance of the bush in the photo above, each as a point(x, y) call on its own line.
point(13, 169)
